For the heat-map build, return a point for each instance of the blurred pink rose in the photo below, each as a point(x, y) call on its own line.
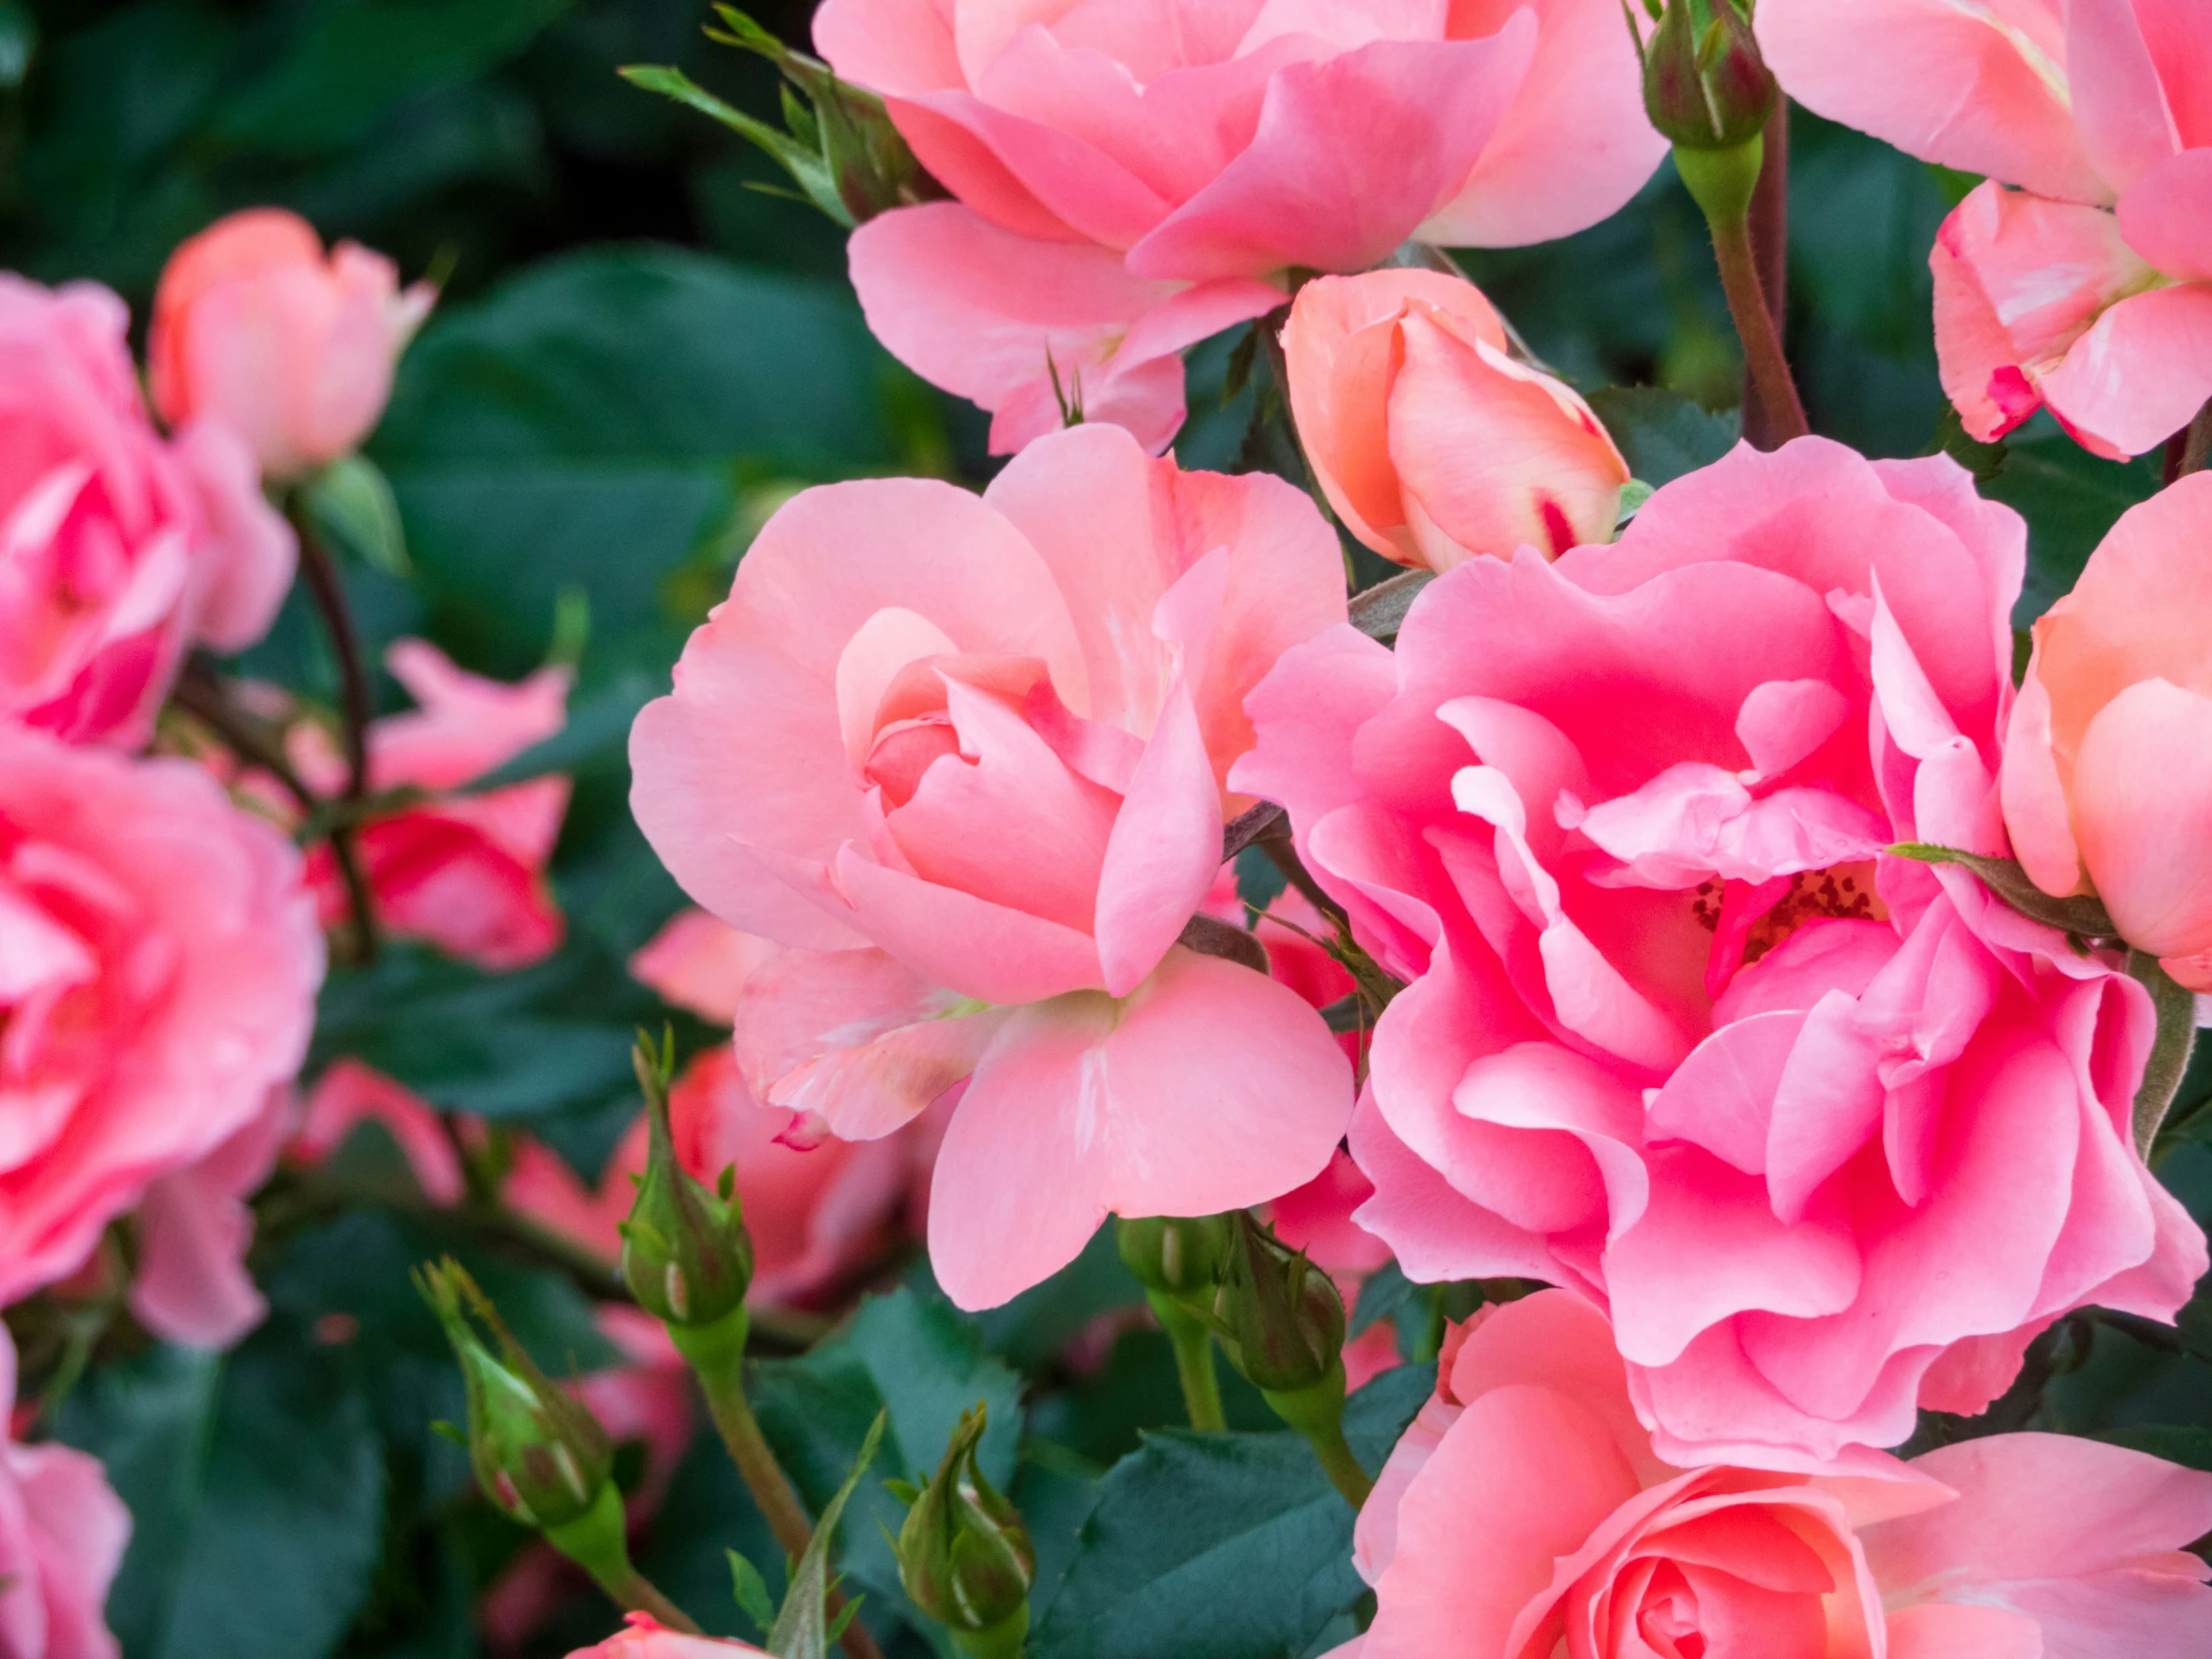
point(1433, 444)
point(62, 1532)
point(1132, 178)
point(1833, 1133)
point(2089, 288)
point(1527, 1512)
point(645, 1639)
point(118, 547)
point(349, 1094)
point(158, 961)
point(466, 872)
point(2108, 756)
point(965, 756)
point(252, 326)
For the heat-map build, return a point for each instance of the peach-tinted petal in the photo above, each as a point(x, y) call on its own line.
point(1982, 88)
point(699, 964)
point(2143, 791)
point(2139, 374)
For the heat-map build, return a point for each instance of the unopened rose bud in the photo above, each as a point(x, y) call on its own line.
point(1705, 85)
point(964, 1555)
point(1280, 1318)
point(686, 1255)
point(1179, 1256)
point(538, 1453)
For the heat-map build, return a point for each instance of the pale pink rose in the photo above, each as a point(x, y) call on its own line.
point(2107, 779)
point(255, 327)
point(114, 547)
point(158, 961)
point(643, 1638)
point(1132, 175)
point(1527, 1513)
point(194, 1228)
point(966, 758)
point(2089, 291)
point(1434, 445)
point(466, 872)
point(1831, 1132)
point(62, 1532)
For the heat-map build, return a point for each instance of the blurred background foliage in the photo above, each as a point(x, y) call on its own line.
point(638, 354)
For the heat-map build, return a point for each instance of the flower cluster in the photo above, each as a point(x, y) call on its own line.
point(1683, 924)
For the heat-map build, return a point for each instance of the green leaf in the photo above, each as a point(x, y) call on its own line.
point(1661, 434)
point(259, 1526)
point(2169, 1055)
point(1382, 1293)
point(2083, 918)
point(1380, 612)
point(805, 165)
point(2188, 1446)
point(352, 507)
point(600, 420)
point(17, 40)
point(751, 1591)
point(1231, 1546)
point(801, 1629)
point(351, 61)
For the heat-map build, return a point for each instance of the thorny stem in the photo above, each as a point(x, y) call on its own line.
point(1769, 371)
point(357, 709)
point(716, 1358)
point(1284, 856)
point(1769, 247)
point(1194, 1361)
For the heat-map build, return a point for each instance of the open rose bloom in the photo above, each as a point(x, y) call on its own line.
point(117, 548)
point(1131, 177)
point(2087, 288)
point(1526, 1513)
point(966, 758)
point(2108, 756)
point(1830, 1132)
point(159, 962)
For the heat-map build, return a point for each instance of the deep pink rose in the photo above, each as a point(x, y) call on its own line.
point(1131, 176)
point(256, 329)
point(466, 872)
point(62, 1532)
point(965, 756)
point(1527, 1513)
point(158, 961)
point(2108, 757)
point(2089, 288)
point(120, 548)
point(1833, 1133)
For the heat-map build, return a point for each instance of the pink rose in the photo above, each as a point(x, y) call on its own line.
point(62, 1532)
point(1833, 1133)
point(1433, 444)
point(1527, 1513)
point(194, 1228)
point(645, 1639)
point(119, 548)
point(2089, 290)
point(2107, 779)
point(965, 756)
point(1132, 178)
point(255, 327)
point(349, 1094)
point(466, 872)
point(158, 961)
